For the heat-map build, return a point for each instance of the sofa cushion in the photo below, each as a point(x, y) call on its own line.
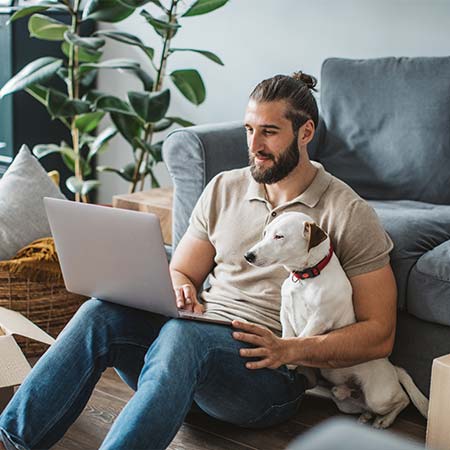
point(22, 214)
point(429, 286)
point(387, 120)
point(416, 228)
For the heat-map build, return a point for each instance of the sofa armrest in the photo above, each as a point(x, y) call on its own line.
point(193, 156)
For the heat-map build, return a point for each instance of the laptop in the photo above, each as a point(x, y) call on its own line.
point(115, 255)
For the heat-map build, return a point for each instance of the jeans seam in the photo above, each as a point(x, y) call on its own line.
point(199, 383)
point(64, 409)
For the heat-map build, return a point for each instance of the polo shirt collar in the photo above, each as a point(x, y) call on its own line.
point(310, 197)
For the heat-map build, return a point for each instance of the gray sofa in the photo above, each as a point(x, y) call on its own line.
point(385, 131)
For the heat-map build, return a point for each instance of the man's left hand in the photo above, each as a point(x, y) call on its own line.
point(271, 348)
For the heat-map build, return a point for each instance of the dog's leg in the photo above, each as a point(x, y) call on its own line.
point(365, 417)
point(387, 420)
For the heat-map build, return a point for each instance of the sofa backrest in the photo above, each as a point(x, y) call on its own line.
point(388, 126)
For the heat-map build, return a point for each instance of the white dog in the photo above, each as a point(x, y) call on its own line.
point(317, 298)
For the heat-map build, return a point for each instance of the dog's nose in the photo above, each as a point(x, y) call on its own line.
point(250, 257)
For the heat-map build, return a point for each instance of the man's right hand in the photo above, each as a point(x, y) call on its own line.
point(187, 298)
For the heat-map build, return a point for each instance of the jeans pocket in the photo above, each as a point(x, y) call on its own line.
point(275, 414)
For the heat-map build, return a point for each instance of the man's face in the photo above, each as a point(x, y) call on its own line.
point(272, 144)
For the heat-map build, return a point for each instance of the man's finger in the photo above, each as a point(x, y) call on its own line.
point(253, 352)
point(258, 364)
point(179, 297)
point(198, 308)
point(246, 337)
point(188, 294)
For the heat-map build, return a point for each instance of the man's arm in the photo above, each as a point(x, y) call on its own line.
point(191, 263)
point(371, 337)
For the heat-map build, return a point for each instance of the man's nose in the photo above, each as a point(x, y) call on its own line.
point(250, 257)
point(255, 144)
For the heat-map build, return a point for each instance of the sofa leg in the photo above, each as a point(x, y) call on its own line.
point(438, 430)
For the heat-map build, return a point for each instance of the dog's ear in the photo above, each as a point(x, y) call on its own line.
point(314, 234)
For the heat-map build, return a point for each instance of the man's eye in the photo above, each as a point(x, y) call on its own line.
point(269, 133)
point(278, 236)
point(248, 130)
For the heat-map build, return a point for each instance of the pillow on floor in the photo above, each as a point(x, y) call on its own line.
point(22, 214)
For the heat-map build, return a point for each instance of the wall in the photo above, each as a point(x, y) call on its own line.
point(259, 38)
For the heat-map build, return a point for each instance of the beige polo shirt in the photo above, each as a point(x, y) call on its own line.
point(232, 212)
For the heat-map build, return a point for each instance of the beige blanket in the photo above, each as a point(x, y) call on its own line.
point(37, 261)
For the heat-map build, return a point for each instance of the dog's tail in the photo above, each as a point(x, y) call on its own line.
point(419, 400)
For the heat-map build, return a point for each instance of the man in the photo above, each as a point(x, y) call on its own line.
point(235, 374)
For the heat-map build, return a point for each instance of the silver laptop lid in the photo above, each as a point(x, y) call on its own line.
point(112, 254)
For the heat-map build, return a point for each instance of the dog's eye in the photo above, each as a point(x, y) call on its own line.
point(278, 236)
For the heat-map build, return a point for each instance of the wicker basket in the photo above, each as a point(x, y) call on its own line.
point(49, 305)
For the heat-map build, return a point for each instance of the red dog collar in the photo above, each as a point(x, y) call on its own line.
point(312, 272)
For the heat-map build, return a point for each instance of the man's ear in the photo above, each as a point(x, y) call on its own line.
point(306, 133)
point(314, 234)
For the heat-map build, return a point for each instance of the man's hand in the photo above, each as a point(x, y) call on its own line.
point(271, 348)
point(187, 298)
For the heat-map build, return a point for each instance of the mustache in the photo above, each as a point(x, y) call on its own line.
point(264, 155)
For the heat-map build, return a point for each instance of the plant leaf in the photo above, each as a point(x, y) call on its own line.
point(69, 161)
point(150, 107)
point(106, 10)
point(89, 185)
point(126, 172)
point(23, 12)
point(46, 28)
point(180, 121)
point(190, 84)
point(129, 126)
point(126, 38)
point(59, 105)
point(113, 104)
point(84, 55)
point(206, 53)
point(203, 7)
point(37, 71)
point(38, 92)
point(42, 150)
point(99, 145)
point(115, 63)
point(162, 27)
point(74, 185)
point(88, 122)
point(89, 43)
point(138, 3)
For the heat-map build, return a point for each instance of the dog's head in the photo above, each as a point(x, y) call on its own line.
point(292, 240)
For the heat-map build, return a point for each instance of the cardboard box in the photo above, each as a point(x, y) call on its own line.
point(14, 367)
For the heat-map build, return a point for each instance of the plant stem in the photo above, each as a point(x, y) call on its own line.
point(73, 94)
point(159, 79)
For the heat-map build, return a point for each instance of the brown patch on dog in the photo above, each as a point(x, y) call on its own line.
point(315, 234)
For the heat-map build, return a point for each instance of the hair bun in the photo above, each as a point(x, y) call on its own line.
point(309, 80)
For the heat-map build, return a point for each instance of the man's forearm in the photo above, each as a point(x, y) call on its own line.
point(345, 347)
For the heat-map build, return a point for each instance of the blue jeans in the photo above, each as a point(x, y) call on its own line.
point(168, 362)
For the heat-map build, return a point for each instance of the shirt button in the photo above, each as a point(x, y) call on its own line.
point(273, 214)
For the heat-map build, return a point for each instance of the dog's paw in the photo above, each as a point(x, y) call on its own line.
point(341, 392)
point(382, 422)
point(365, 417)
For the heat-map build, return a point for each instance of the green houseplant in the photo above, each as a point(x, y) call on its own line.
point(81, 108)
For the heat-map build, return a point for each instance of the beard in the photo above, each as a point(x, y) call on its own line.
point(281, 168)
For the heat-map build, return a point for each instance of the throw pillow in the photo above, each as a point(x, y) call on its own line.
point(22, 215)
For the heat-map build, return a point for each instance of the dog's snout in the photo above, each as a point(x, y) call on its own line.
point(250, 257)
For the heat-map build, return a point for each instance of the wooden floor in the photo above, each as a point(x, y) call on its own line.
point(202, 432)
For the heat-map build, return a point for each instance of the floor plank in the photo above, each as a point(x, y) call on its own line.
point(201, 432)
